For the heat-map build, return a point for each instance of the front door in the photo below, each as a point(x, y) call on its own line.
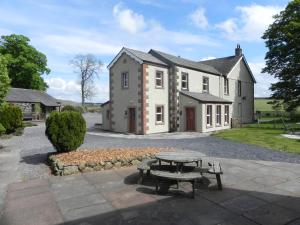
point(190, 119)
point(131, 125)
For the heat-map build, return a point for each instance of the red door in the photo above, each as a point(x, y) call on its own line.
point(131, 120)
point(190, 119)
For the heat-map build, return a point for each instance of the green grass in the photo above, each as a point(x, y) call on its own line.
point(261, 104)
point(266, 135)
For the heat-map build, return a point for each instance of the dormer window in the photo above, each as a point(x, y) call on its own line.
point(205, 84)
point(184, 81)
point(125, 80)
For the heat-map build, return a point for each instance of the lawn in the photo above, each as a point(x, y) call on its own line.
point(266, 135)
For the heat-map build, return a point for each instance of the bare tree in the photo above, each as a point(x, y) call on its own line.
point(87, 67)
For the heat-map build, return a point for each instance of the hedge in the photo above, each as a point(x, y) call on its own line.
point(11, 117)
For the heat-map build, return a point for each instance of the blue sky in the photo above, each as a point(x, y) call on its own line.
point(194, 29)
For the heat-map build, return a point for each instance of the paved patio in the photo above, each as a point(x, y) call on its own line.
point(255, 192)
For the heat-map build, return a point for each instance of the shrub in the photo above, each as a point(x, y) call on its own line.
point(11, 117)
point(72, 108)
point(65, 130)
point(2, 129)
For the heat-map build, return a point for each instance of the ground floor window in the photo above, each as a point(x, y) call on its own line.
point(209, 115)
point(218, 115)
point(159, 114)
point(226, 114)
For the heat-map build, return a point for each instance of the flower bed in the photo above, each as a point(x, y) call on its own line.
point(99, 159)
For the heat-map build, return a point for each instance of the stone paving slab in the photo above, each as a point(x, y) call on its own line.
point(251, 195)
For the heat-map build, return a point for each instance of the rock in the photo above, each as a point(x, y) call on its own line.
point(102, 163)
point(135, 162)
point(118, 164)
point(98, 168)
point(87, 169)
point(91, 165)
point(59, 165)
point(124, 162)
point(108, 166)
point(70, 170)
point(81, 167)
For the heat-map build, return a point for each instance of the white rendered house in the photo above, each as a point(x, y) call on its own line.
point(157, 92)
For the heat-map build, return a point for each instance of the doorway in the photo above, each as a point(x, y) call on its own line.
point(131, 120)
point(190, 119)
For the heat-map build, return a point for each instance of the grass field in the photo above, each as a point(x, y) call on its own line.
point(261, 104)
point(266, 135)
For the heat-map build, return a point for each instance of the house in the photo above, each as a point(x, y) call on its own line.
point(35, 104)
point(158, 92)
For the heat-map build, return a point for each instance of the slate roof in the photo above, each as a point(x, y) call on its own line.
point(30, 96)
point(205, 97)
point(145, 56)
point(224, 65)
point(185, 62)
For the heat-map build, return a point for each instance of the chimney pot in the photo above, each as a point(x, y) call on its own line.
point(238, 50)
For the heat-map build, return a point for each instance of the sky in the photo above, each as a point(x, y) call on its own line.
point(193, 29)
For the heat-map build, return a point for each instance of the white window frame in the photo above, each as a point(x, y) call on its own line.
point(206, 85)
point(226, 86)
point(161, 113)
point(226, 114)
point(161, 78)
point(218, 115)
point(125, 80)
point(209, 116)
point(239, 88)
point(186, 81)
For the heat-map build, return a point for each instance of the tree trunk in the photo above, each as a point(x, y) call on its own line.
point(82, 94)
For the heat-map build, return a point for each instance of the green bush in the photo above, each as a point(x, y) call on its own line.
point(11, 117)
point(72, 108)
point(2, 129)
point(65, 130)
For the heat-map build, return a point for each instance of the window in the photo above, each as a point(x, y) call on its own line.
point(205, 84)
point(159, 79)
point(159, 114)
point(208, 115)
point(226, 86)
point(218, 115)
point(107, 114)
point(226, 114)
point(125, 82)
point(240, 88)
point(184, 81)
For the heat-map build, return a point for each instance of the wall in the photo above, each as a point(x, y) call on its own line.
point(157, 96)
point(105, 120)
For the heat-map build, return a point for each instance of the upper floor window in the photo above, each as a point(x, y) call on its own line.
point(218, 115)
point(226, 86)
point(159, 79)
point(159, 114)
point(184, 81)
point(239, 88)
point(125, 80)
point(209, 115)
point(205, 84)
point(226, 114)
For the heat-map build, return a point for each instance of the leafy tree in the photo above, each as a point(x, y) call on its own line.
point(88, 68)
point(4, 79)
point(282, 39)
point(25, 64)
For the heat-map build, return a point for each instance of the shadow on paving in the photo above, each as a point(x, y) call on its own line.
point(171, 206)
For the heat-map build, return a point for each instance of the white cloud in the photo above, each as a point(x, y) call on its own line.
point(264, 81)
point(128, 20)
point(253, 20)
point(198, 18)
point(70, 89)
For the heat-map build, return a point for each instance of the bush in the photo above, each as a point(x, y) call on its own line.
point(11, 117)
point(65, 130)
point(2, 129)
point(72, 108)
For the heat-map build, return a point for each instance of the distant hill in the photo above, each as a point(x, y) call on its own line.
point(68, 102)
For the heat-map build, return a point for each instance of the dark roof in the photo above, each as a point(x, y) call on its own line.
point(224, 65)
point(185, 62)
point(145, 56)
point(30, 96)
point(205, 97)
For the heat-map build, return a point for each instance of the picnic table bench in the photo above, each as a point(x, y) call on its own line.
point(190, 177)
point(145, 165)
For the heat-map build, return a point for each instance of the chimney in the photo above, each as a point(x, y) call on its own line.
point(238, 50)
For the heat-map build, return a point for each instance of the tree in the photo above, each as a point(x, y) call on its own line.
point(4, 79)
point(25, 64)
point(282, 39)
point(88, 68)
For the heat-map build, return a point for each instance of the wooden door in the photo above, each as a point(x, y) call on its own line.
point(190, 119)
point(131, 122)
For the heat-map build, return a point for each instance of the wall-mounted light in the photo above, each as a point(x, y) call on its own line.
point(180, 112)
point(125, 113)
